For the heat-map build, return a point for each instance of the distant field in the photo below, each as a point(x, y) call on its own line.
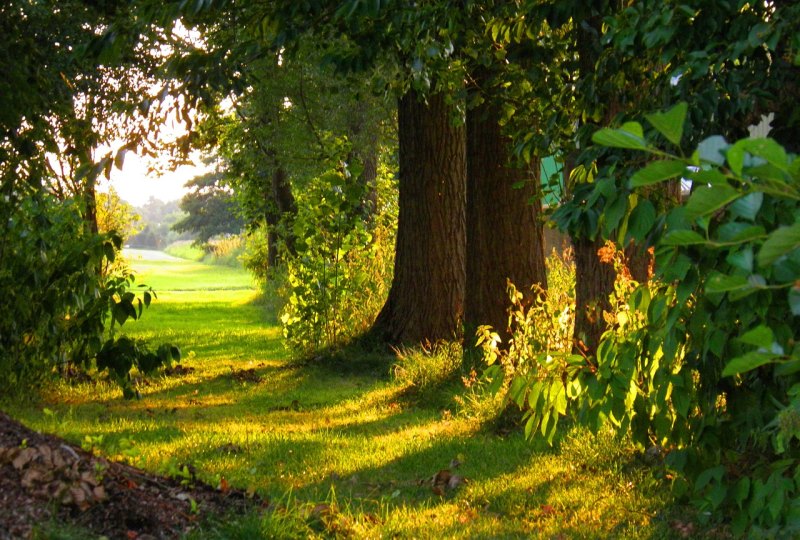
point(184, 275)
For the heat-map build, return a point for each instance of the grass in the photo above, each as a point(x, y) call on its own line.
point(337, 452)
point(185, 249)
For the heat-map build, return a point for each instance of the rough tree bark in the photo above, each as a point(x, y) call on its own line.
point(426, 298)
point(594, 282)
point(505, 238)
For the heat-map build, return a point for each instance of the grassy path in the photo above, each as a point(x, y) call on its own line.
point(347, 454)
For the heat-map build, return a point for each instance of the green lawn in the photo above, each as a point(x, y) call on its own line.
point(355, 440)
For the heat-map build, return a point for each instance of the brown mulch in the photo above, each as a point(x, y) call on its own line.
point(43, 479)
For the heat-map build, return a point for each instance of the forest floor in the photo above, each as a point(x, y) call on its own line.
point(320, 450)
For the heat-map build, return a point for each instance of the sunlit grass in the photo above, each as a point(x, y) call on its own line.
point(304, 435)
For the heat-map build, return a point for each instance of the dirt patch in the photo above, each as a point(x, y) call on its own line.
point(43, 479)
point(246, 375)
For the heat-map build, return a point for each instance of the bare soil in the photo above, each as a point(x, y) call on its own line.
point(43, 479)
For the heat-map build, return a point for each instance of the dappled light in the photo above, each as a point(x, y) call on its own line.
point(518, 269)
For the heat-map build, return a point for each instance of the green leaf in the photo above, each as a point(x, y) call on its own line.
point(768, 150)
point(741, 491)
point(779, 243)
point(706, 200)
point(630, 135)
point(760, 336)
point(743, 259)
point(682, 238)
point(670, 123)
point(658, 171)
point(748, 362)
point(614, 213)
point(641, 220)
point(709, 176)
point(719, 283)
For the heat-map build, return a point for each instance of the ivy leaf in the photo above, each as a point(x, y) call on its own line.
point(670, 123)
point(630, 135)
point(658, 171)
point(780, 242)
point(708, 199)
point(748, 362)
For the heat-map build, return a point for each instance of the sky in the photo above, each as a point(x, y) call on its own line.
point(135, 185)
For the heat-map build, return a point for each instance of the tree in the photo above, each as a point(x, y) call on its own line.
point(427, 294)
point(117, 216)
point(505, 240)
point(210, 209)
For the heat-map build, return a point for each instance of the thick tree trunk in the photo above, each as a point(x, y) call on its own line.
point(505, 239)
point(427, 295)
point(594, 282)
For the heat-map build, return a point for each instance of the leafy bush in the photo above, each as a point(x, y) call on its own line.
point(704, 361)
point(340, 277)
point(120, 356)
point(57, 301)
point(539, 350)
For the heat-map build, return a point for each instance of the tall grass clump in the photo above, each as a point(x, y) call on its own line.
point(226, 250)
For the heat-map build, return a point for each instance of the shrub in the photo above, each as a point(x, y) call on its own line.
point(56, 300)
point(340, 277)
point(704, 360)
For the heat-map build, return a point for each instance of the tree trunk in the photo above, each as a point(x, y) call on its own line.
point(427, 295)
point(505, 238)
point(594, 282)
point(90, 205)
point(281, 211)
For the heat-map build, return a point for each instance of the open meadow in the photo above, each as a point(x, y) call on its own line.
point(333, 450)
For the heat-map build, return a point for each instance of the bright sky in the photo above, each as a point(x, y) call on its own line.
point(135, 185)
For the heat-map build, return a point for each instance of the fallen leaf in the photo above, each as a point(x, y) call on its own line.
point(321, 511)
point(99, 493)
point(32, 476)
point(455, 481)
point(45, 454)
point(24, 457)
point(547, 510)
